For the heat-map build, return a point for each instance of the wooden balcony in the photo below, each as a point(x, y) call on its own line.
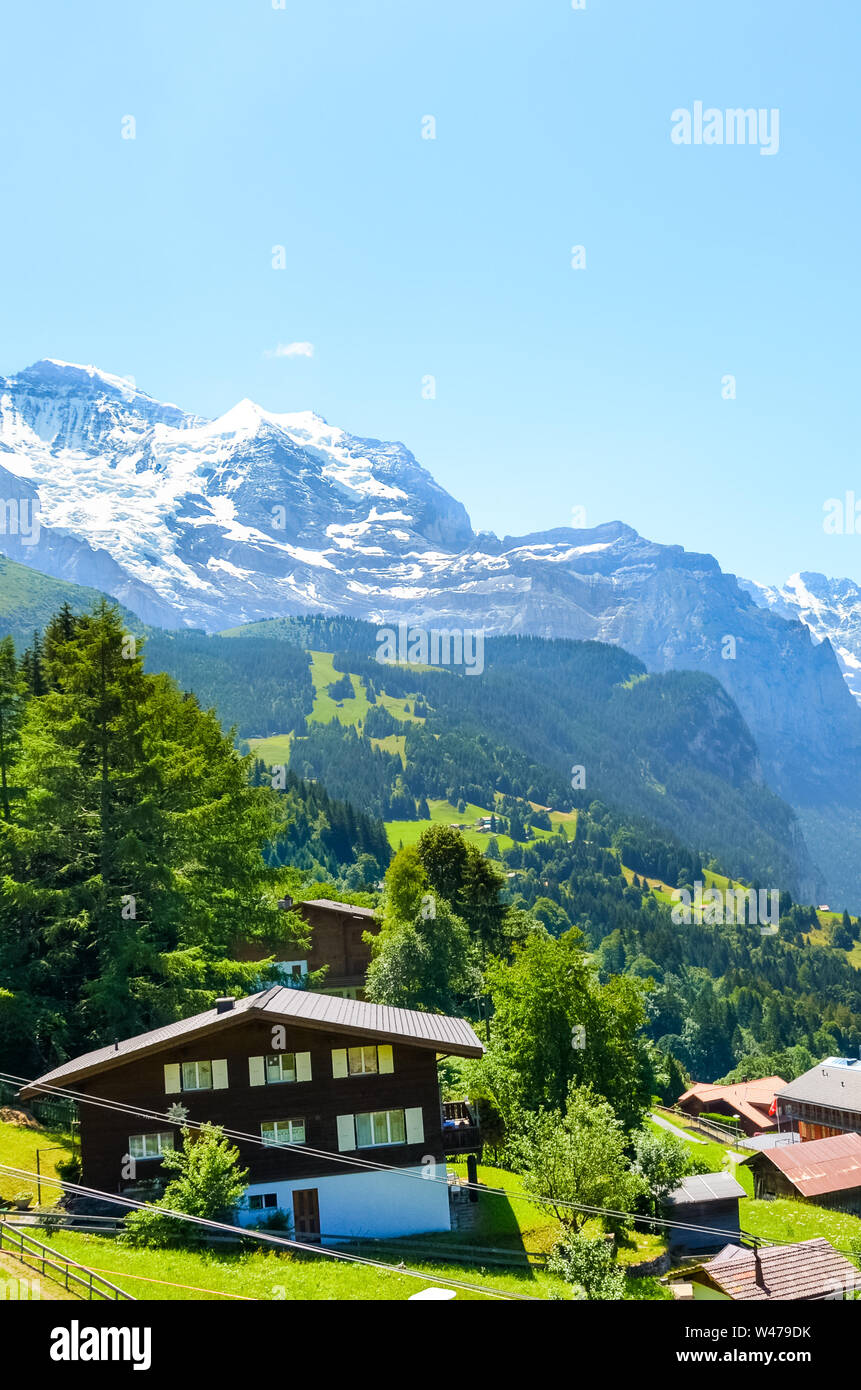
point(460, 1130)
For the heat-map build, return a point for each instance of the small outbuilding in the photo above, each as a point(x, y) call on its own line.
point(824, 1171)
point(704, 1199)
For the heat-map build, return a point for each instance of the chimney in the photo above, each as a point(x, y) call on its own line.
point(224, 1004)
point(757, 1265)
point(285, 904)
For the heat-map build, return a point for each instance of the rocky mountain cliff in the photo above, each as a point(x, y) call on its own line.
point(195, 523)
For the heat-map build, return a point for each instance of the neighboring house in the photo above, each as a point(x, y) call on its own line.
point(823, 1101)
point(812, 1270)
point(291, 1068)
point(751, 1101)
point(707, 1199)
point(336, 940)
point(824, 1171)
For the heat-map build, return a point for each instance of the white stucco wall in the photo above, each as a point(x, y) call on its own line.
point(367, 1204)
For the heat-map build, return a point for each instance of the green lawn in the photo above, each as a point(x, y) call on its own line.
point(271, 1276)
point(18, 1146)
point(504, 1222)
point(407, 832)
point(784, 1219)
point(323, 674)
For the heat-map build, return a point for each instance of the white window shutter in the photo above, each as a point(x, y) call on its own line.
point(415, 1125)
point(256, 1073)
point(384, 1055)
point(219, 1075)
point(172, 1082)
point(346, 1132)
point(339, 1061)
point(303, 1066)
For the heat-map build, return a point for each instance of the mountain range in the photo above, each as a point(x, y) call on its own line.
point(192, 523)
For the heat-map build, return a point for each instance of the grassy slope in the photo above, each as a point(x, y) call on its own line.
point(28, 599)
point(281, 1276)
point(18, 1147)
point(783, 1219)
point(503, 1222)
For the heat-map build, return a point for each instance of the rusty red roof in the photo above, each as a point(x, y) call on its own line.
point(811, 1269)
point(820, 1165)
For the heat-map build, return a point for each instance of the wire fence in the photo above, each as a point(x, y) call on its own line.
point(52, 1265)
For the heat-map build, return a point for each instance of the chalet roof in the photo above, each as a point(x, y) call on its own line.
point(820, 1165)
point(705, 1187)
point(328, 1012)
point(749, 1098)
point(332, 906)
point(810, 1269)
point(836, 1086)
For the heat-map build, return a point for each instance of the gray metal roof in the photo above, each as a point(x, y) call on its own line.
point(337, 907)
point(777, 1139)
point(309, 1010)
point(836, 1086)
point(705, 1187)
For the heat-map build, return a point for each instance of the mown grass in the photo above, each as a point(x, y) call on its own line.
point(785, 1219)
point(275, 1276)
point(18, 1146)
point(407, 832)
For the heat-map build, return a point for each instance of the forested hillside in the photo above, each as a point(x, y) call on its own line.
point(672, 748)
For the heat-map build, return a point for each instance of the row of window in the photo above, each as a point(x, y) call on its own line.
point(278, 1068)
point(368, 1131)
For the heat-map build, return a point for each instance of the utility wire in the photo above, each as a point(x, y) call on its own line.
point(245, 1234)
point(631, 1217)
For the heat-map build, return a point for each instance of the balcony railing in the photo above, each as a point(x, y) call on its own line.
point(460, 1129)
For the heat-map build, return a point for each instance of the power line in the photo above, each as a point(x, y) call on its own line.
point(368, 1164)
point(245, 1234)
point(638, 1218)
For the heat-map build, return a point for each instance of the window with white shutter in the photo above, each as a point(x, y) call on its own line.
point(415, 1125)
point(346, 1132)
point(256, 1071)
point(339, 1061)
point(172, 1080)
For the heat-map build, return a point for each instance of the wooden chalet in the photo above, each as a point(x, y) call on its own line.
point(337, 932)
point(824, 1171)
point(825, 1100)
point(751, 1102)
point(322, 1083)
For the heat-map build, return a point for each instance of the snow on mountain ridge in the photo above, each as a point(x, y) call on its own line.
point(830, 608)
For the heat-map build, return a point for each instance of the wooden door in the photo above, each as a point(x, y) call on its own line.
point(306, 1213)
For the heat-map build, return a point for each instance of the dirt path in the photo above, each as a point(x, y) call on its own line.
point(49, 1291)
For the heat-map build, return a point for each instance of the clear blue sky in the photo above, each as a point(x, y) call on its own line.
point(451, 257)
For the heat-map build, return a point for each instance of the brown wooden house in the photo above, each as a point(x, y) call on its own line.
point(336, 941)
point(320, 1085)
point(823, 1101)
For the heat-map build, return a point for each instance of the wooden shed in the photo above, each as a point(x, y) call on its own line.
point(706, 1199)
